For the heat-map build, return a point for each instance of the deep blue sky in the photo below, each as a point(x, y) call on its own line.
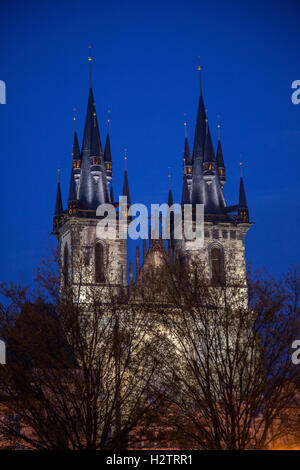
point(144, 70)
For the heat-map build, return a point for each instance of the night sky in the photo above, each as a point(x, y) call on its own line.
point(145, 72)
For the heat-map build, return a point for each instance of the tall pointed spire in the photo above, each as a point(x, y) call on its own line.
point(58, 203)
point(126, 184)
point(93, 189)
point(91, 144)
point(200, 130)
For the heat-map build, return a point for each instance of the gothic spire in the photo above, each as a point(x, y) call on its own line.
point(170, 198)
point(91, 144)
point(58, 203)
point(243, 212)
point(76, 148)
point(219, 155)
point(242, 194)
point(107, 151)
point(126, 184)
point(200, 130)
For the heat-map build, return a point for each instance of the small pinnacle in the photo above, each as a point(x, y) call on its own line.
point(185, 129)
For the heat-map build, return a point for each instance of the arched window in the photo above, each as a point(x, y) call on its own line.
point(66, 266)
point(99, 263)
point(217, 265)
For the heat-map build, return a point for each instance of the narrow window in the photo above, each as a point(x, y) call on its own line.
point(99, 263)
point(217, 269)
point(66, 266)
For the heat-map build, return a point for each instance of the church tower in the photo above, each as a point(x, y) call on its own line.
point(85, 259)
point(225, 227)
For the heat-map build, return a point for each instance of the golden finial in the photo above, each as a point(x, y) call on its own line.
point(199, 68)
point(58, 174)
point(219, 127)
point(90, 61)
point(108, 119)
point(241, 167)
point(185, 125)
point(125, 158)
point(74, 119)
point(169, 176)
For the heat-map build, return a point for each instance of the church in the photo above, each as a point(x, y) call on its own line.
point(91, 185)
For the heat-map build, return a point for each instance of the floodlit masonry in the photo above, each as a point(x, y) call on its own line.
point(221, 246)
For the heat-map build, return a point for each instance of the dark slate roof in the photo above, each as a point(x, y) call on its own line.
point(86, 184)
point(72, 189)
point(187, 153)
point(200, 131)
point(96, 149)
point(185, 198)
point(91, 137)
point(101, 195)
point(107, 152)
point(242, 195)
point(214, 203)
point(209, 154)
point(58, 203)
point(92, 193)
point(76, 148)
point(219, 156)
point(126, 188)
point(198, 183)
